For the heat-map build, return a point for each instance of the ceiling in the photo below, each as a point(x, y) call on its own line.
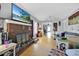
point(50, 11)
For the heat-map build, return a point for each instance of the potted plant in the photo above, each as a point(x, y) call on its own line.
point(64, 38)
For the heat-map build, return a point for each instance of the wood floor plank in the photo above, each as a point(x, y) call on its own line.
point(41, 48)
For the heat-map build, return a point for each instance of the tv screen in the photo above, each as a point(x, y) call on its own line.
point(19, 14)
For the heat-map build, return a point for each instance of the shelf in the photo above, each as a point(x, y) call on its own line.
point(21, 49)
point(4, 49)
point(15, 22)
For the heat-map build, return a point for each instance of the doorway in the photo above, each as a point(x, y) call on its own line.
point(47, 30)
point(55, 26)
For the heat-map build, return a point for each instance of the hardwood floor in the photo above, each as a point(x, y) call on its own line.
point(41, 48)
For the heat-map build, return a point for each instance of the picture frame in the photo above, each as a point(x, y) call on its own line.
point(20, 15)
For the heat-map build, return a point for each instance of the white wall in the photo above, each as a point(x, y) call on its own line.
point(1, 23)
point(5, 11)
point(34, 29)
point(34, 26)
point(64, 25)
point(75, 27)
point(59, 28)
point(69, 28)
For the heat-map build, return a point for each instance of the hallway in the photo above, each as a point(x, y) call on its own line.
point(41, 48)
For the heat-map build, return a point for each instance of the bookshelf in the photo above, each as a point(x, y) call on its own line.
point(21, 34)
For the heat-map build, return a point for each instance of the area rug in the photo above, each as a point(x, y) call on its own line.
point(56, 52)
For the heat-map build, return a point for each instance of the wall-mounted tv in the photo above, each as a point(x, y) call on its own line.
point(19, 14)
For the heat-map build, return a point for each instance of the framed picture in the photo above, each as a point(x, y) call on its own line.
point(74, 19)
point(18, 14)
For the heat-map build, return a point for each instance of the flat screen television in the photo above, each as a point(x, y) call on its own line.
point(19, 14)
